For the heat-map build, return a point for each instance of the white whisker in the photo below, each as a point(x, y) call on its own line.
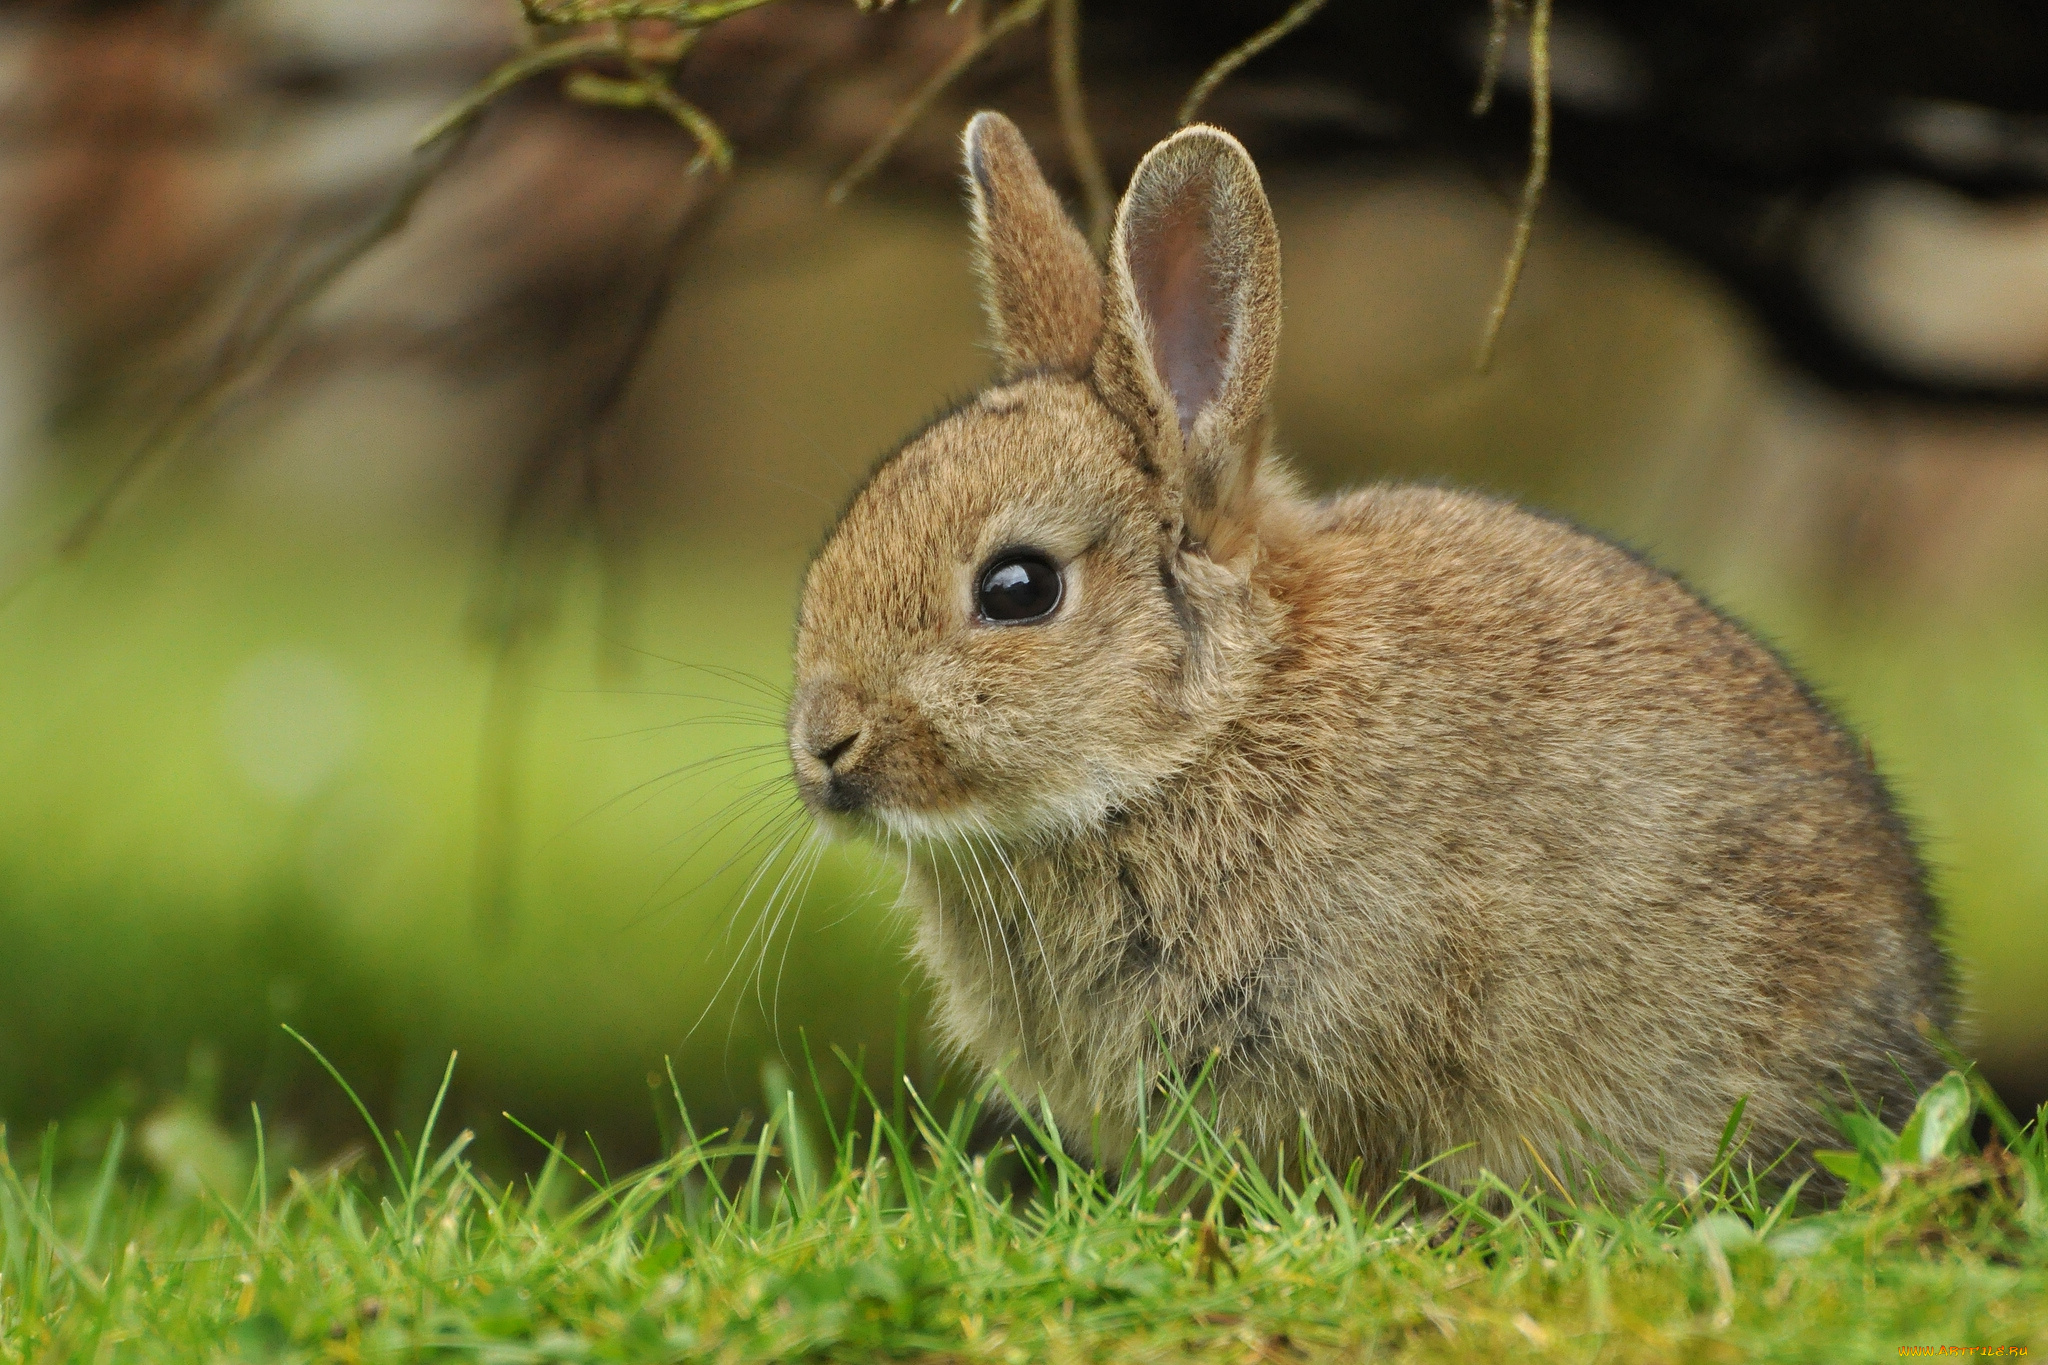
point(740, 956)
point(1052, 981)
point(1016, 989)
point(814, 854)
point(974, 908)
point(757, 800)
point(772, 913)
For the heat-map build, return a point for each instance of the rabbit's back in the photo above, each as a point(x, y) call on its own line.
point(1665, 843)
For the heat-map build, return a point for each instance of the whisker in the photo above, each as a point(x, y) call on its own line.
point(773, 912)
point(761, 714)
point(736, 909)
point(738, 786)
point(740, 807)
point(1052, 981)
point(869, 890)
point(774, 781)
point(732, 719)
point(724, 671)
point(1009, 958)
point(816, 854)
point(759, 872)
point(743, 807)
point(939, 889)
point(673, 774)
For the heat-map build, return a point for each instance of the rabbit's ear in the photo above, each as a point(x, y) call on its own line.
point(1193, 317)
point(1040, 282)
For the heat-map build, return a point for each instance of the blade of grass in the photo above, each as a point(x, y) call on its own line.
point(419, 1162)
point(102, 1190)
point(390, 1161)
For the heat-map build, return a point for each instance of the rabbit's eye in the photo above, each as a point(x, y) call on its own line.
point(1017, 586)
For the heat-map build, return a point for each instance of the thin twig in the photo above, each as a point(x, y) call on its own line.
point(1019, 14)
point(1220, 71)
point(1532, 186)
point(1502, 11)
point(647, 88)
point(1096, 197)
point(524, 67)
point(573, 13)
point(245, 352)
point(713, 147)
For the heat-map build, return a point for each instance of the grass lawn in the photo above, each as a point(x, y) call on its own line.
point(887, 1232)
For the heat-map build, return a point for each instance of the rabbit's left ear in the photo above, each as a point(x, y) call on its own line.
point(1192, 323)
point(1041, 285)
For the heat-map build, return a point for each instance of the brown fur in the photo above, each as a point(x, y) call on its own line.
point(1434, 820)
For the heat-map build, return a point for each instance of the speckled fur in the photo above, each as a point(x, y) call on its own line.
point(1435, 820)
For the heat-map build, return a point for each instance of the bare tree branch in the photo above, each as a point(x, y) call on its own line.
point(1532, 186)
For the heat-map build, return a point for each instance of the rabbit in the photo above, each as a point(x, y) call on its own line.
point(1440, 826)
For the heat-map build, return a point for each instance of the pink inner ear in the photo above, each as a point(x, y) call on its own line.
point(1176, 288)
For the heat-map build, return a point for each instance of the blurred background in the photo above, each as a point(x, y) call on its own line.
point(421, 690)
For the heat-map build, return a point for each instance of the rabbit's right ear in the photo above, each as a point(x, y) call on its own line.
point(1041, 285)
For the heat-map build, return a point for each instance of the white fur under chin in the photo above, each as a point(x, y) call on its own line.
point(1040, 821)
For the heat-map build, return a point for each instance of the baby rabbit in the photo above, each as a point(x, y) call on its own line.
point(1430, 819)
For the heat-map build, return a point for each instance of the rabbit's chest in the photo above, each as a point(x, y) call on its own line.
point(1084, 963)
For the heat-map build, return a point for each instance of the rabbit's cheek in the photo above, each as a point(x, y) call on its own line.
point(906, 770)
point(998, 728)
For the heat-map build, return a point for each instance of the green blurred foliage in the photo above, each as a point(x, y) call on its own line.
point(241, 791)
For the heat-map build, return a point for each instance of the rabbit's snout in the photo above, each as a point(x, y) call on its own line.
point(829, 736)
point(854, 752)
point(828, 723)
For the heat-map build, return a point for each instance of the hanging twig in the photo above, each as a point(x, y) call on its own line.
point(1532, 185)
point(1097, 200)
point(649, 87)
point(569, 13)
point(1220, 70)
point(1502, 12)
point(1020, 13)
point(537, 62)
point(713, 147)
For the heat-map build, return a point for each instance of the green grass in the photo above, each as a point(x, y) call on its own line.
point(888, 1231)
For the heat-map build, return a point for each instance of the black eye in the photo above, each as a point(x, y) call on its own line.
point(1017, 585)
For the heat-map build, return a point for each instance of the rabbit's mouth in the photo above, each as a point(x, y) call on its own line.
point(844, 808)
point(856, 802)
point(1012, 821)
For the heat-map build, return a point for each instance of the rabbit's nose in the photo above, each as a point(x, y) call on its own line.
point(829, 752)
point(830, 721)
